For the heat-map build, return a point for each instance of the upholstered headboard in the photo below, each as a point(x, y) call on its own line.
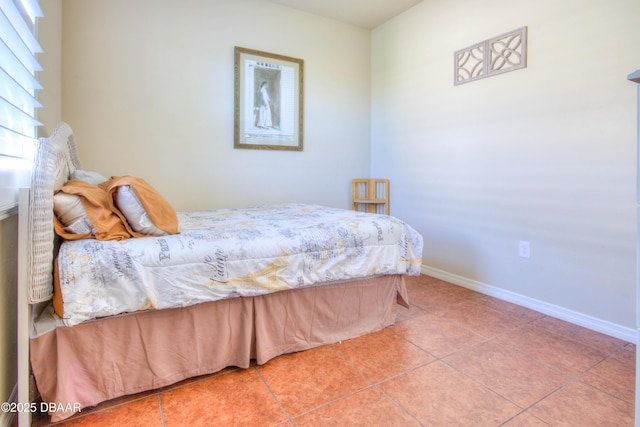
point(55, 160)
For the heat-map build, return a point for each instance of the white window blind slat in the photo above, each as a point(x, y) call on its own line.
point(15, 145)
point(31, 7)
point(17, 45)
point(12, 117)
point(24, 76)
point(21, 27)
point(16, 94)
point(18, 101)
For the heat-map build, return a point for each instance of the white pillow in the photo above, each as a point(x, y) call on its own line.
point(93, 178)
point(70, 212)
point(134, 212)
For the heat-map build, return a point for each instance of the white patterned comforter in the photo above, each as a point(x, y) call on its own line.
point(227, 253)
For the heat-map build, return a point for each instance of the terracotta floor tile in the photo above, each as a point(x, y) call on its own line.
point(525, 419)
point(436, 335)
point(142, 412)
point(552, 349)
point(43, 419)
point(460, 291)
point(309, 379)
point(200, 378)
point(407, 313)
point(514, 376)
point(616, 375)
point(482, 319)
point(582, 335)
point(222, 400)
point(382, 355)
point(365, 408)
point(435, 283)
point(438, 284)
point(438, 395)
point(437, 296)
point(525, 315)
point(579, 404)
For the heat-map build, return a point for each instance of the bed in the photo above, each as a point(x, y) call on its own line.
point(140, 311)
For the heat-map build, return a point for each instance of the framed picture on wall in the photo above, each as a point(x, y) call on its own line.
point(268, 111)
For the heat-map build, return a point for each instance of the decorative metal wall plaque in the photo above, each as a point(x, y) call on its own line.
point(497, 55)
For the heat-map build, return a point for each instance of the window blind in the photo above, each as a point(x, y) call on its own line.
point(18, 104)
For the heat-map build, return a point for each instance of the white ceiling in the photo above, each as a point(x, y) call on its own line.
point(366, 14)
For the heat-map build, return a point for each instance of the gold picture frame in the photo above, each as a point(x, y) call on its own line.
point(269, 95)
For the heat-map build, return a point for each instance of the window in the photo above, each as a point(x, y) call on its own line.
point(18, 103)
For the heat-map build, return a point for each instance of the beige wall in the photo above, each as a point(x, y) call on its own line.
point(8, 296)
point(545, 154)
point(148, 90)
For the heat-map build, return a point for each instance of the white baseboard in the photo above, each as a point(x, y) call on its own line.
point(7, 417)
point(593, 323)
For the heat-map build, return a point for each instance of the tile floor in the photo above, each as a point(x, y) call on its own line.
point(456, 357)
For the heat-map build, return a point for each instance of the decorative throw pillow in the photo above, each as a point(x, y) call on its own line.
point(137, 217)
point(70, 212)
point(105, 224)
point(146, 213)
point(93, 178)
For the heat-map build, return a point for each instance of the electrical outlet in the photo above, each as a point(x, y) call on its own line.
point(524, 249)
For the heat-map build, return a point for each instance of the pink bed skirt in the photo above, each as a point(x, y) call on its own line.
point(81, 366)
